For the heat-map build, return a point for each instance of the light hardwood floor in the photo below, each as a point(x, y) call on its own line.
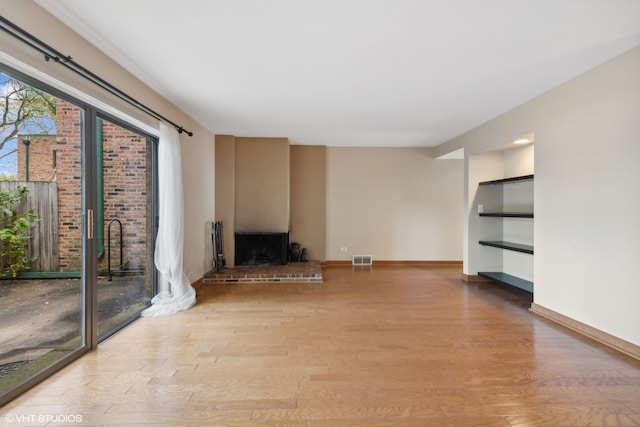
point(391, 346)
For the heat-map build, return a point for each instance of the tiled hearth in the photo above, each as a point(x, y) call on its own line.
point(293, 272)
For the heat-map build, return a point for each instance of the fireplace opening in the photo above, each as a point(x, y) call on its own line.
point(261, 248)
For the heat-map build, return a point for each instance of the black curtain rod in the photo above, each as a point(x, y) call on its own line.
point(51, 53)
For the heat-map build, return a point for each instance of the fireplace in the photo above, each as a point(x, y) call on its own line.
point(261, 248)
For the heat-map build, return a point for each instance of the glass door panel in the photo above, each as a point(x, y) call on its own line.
point(124, 225)
point(42, 284)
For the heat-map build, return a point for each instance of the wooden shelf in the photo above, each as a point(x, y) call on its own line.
point(507, 279)
point(518, 247)
point(508, 214)
point(507, 180)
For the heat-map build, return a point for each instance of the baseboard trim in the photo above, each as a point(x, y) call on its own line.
point(390, 263)
point(473, 278)
point(198, 285)
point(602, 337)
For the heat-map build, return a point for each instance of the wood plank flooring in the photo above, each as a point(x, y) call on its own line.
point(391, 346)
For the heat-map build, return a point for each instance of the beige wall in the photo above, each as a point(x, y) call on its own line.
point(197, 151)
point(396, 204)
point(225, 194)
point(308, 199)
point(262, 184)
point(586, 198)
point(252, 189)
point(393, 204)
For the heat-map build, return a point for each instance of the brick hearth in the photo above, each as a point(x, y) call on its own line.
point(293, 272)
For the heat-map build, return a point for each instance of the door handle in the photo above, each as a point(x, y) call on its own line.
point(89, 224)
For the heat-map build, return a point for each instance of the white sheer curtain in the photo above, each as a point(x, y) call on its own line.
point(175, 293)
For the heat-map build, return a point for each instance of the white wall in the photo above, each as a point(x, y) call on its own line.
point(518, 197)
point(396, 204)
point(519, 160)
point(197, 152)
point(587, 203)
point(588, 200)
point(481, 167)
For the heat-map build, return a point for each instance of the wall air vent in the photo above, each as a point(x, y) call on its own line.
point(362, 260)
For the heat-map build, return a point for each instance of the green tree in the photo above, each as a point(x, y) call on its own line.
point(14, 232)
point(23, 108)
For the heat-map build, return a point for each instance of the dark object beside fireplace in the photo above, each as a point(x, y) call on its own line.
point(261, 248)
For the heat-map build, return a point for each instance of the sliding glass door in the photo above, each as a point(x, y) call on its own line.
point(125, 224)
point(76, 229)
point(43, 239)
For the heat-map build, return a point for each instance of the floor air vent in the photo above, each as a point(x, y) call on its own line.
point(362, 260)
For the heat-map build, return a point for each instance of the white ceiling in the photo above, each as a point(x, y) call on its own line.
point(352, 72)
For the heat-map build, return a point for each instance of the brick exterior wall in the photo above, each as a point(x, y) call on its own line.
point(126, 177)
point(68, 178)
point(42, 158)
point(127, 174)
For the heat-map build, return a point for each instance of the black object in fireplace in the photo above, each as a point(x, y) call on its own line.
point(261, 248)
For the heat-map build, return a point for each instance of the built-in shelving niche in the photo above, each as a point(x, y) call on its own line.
point(505, 213)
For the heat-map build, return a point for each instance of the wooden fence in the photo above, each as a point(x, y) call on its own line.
point(42, 198)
